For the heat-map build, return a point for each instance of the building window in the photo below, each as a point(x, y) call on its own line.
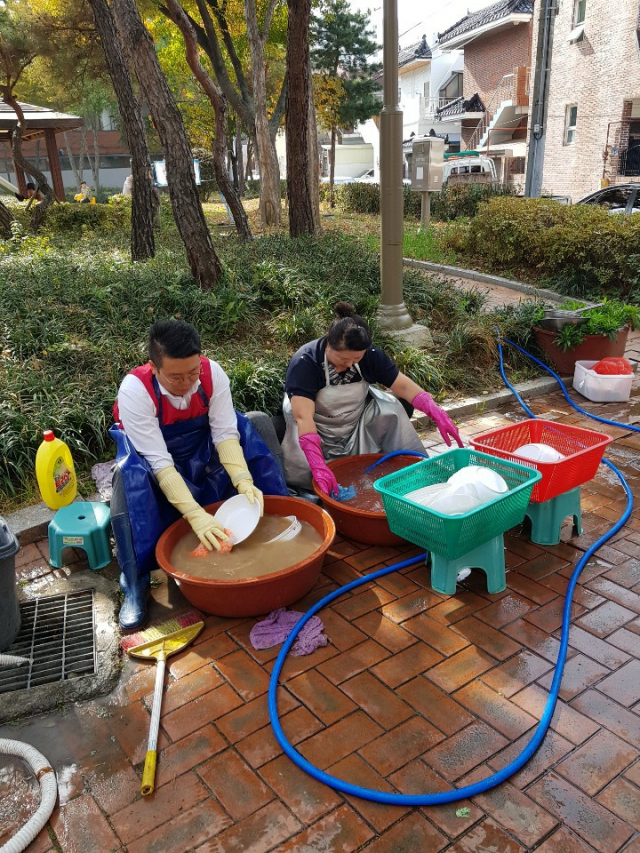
point(570, 126)
point(579, 12)
point(453, 88)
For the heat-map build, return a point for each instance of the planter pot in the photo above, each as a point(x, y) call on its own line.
point(592, 348)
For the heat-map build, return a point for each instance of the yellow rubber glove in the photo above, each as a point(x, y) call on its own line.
point(234, 463)
point(209, 531)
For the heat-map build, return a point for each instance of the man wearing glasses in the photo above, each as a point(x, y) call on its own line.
point(180, 446)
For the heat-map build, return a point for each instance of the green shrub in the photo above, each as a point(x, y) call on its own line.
point(456, 200)
point(358, 197)
point(579, 248)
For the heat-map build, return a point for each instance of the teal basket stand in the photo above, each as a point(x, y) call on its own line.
point(547, 517)
point(489, 557)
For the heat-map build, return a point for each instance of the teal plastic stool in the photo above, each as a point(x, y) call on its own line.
point(83, 524)
point(489, 557)
point(547, 517)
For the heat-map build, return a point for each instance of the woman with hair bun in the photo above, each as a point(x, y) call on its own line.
point(332, 408)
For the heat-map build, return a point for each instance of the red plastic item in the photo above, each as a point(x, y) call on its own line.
point(582, 448)
point(613, 367)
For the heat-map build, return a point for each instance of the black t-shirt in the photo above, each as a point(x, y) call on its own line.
point(305, 374)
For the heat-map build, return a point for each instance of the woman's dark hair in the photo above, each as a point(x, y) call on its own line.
point(174, 339)
point(348, 331)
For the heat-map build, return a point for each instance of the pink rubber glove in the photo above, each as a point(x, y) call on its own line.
point(446, 427)
point(322, 474)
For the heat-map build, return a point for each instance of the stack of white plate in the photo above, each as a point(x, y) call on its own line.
point(467, 489)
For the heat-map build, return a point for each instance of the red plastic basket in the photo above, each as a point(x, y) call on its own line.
point(582, 448)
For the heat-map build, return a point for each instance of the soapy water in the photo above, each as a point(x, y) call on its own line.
point(357, 479)
point(254, 557)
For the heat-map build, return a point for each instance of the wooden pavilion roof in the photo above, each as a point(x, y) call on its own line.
point(38, 120)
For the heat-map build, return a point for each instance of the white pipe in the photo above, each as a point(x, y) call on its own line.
point(13, 660)
point(45, 774)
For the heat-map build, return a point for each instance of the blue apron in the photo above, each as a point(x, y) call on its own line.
point(195, 458)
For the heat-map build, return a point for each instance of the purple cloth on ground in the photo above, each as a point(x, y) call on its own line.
point(280, 623)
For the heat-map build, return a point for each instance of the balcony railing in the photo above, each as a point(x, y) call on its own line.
point(432, 105)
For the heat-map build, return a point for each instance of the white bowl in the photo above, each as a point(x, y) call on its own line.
point(539, 452)
point(240, 516)
point(478, 480)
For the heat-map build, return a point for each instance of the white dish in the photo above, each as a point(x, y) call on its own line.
point(538, 452)
point(426, 494)
point(240, 516)
point(289, 533)
point(479, 481)
point(455, 503)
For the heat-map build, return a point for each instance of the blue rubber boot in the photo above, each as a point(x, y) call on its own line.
point(134, 583)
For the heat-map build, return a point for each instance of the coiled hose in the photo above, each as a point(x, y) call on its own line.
point(540, 730)
point(45, 774)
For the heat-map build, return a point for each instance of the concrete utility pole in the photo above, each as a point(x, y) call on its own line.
point(393, 315)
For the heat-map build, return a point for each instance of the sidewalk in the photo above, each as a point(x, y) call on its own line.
point(416, 692)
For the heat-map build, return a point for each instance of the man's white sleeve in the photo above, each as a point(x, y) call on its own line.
point(140, 421)
point(222, 416)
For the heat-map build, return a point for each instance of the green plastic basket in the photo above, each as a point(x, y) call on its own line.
point(452, 536)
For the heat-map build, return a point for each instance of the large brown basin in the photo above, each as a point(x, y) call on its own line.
point(252, 596)
point(353, 522)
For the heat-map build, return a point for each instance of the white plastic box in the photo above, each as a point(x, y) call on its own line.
point(601, 388)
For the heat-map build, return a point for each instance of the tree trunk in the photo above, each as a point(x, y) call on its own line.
point(219, 104)
point(95, 163)
point(313, 162)
point(332, 167)
point(270, 208)
point(72, 160)
point(239, 157)
point(144, 198)
point(187, 210)
point(39, 210)
point(296, 122)
point(6, 218)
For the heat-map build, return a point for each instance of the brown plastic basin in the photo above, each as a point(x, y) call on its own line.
point(252, 596)
point(367, 526)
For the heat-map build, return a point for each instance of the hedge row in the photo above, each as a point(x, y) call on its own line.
point(447, 205)
point(581, 248)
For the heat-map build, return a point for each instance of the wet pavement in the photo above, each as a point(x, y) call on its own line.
point(416, 692)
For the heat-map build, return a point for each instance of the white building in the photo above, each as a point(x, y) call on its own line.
point(427, 80)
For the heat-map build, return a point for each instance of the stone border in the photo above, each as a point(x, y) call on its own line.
point(485, 278)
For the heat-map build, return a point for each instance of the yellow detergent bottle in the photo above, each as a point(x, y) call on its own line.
point(55, 472)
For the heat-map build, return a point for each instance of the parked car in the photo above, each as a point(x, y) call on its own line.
point(369, 177)
point(469, 170)
point(621, 198)
point(347, 179)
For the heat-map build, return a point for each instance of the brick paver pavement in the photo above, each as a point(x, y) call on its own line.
point(416, 692)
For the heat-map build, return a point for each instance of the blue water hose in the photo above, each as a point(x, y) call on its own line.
point(538, 735)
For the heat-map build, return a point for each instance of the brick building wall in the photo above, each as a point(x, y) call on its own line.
point(488, 59)
point(601, 76)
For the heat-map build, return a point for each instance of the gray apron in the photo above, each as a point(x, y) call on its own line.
point(350, 420)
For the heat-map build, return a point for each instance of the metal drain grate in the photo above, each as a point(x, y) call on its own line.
point(57, 633)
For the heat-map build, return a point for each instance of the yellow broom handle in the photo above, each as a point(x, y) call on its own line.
point(149, 773)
